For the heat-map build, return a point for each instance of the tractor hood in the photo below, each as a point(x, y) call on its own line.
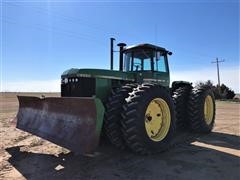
point(98, 73)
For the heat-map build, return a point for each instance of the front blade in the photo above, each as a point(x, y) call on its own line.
point(73, 123)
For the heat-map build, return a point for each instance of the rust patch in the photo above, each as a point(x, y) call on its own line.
point(66, 121)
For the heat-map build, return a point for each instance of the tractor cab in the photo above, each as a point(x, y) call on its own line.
point(148, 62)
point(145, 57)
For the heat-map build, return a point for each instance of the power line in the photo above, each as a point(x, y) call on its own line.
point(53, 29)
point(67, 20)
point(76, 20)
point(97, 29)
point(70, 19)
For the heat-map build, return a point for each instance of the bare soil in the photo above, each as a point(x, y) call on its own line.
point(212, 156)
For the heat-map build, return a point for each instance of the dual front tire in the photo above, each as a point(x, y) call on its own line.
point(140, 118)
point(144, 117)
point(148, 122)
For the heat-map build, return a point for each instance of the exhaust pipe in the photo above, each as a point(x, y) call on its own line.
point(111, 52)
point(121, 48)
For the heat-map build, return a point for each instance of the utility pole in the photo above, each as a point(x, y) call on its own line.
point(217, 62)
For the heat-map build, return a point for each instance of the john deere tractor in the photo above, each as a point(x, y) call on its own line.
point(134, 106)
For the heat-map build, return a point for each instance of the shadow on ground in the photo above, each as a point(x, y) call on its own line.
point(185, 161)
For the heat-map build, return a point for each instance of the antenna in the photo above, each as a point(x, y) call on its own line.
point(155, 33)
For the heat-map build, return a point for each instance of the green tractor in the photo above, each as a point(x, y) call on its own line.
point(134, 106)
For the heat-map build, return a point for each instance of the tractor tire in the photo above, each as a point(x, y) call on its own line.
point(180, 99)
point(201, 110)
point(148, 122)
point(112, 117)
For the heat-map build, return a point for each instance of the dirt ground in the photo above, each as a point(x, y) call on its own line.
point(213, 156)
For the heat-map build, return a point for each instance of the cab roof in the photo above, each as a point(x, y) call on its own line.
point(144, 46)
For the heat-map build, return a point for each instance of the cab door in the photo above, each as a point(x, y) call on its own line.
point(148, 70)
point(161, 69)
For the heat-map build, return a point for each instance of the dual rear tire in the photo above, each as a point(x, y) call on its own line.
point(195, 108)
point(201, 110)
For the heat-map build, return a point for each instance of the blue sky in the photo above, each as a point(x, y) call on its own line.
point(41, 39)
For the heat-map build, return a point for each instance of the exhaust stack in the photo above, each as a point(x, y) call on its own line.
point(121, 48)
point(111, 52)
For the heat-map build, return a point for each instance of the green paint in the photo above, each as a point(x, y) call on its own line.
point(103, 87)
point(104, 78)
point(100, 114)
point(99, 73)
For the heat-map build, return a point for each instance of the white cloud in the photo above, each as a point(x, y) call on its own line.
point(32, 86)
point(228, 76)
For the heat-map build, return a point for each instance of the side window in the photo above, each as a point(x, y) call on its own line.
point(160, 64)
point(137, 64)
point(147, 64)
point(127, 61)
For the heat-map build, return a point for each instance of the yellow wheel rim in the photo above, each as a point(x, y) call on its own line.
point(208, 109)
point(157, 119)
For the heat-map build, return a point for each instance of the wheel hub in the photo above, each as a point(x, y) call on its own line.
point(157, 119)
point(208, 109)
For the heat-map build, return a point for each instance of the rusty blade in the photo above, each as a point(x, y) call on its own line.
point(68, 122)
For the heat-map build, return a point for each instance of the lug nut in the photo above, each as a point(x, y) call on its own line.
point(149, 118)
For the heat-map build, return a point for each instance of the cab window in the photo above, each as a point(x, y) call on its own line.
point(137, 64)
point(145, 60)
point(140, 60)
point(147, 64)
point(160, 62)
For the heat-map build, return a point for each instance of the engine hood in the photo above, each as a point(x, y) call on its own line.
point(98, 73)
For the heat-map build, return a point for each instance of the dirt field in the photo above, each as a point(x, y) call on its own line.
point(213, 156)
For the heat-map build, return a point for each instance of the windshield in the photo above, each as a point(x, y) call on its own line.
point(145, 60)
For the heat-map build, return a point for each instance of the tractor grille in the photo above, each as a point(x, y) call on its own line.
point(78, 87)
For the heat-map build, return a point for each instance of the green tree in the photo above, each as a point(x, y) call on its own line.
point(222, 92)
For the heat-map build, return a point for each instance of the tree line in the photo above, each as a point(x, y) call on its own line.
point(222, 92)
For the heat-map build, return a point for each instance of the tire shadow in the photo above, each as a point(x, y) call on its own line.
point(222, 140)
point(184, 161)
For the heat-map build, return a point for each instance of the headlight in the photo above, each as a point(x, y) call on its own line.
point(65, 80)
